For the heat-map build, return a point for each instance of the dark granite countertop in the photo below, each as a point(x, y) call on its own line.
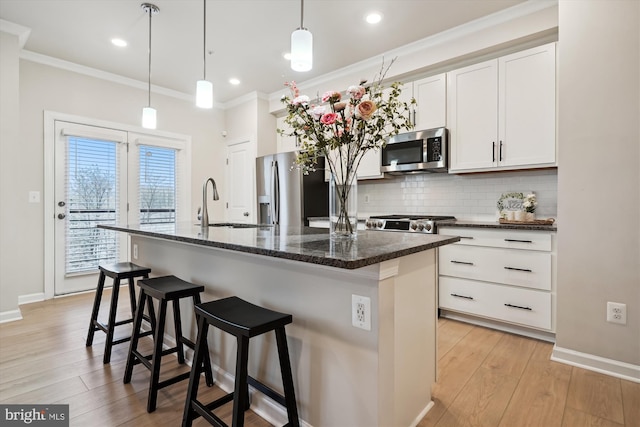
point(305, 244)
point(496, 224)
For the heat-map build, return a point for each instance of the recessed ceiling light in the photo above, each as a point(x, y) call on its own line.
point(119, 42)
point(287, 56)
point(234, 81)
point(373, 17)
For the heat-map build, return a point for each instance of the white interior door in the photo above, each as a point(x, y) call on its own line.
point(240, 182)
point(90, 188)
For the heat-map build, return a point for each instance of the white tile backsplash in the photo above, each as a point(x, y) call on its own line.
point(465, 196)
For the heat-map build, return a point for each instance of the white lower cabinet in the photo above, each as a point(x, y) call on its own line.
point(503, 275)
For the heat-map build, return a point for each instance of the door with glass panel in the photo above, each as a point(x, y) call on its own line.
point(108, 176)
point(90, 189)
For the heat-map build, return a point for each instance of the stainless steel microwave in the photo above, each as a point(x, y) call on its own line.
point(415, 152)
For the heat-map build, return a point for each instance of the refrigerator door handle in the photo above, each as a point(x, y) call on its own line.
point(275, 192)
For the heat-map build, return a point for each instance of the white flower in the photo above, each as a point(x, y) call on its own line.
point(318, 111)
point(300, 100)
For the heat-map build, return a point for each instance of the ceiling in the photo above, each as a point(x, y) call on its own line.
point(246, 38)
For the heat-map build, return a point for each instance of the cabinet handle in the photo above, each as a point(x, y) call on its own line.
point(464, 296)
point(461, 262)
point(518, 306)
point(493, 151)
point(500, 151)
point(465, 237)
point(518, 241)
point(519, 269)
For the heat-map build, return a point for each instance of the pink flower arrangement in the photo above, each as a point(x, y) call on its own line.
point(343, 130)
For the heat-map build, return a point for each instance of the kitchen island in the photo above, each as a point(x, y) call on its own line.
point(344, 376)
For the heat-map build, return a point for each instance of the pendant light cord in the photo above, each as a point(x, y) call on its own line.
point(204, 42)
point(302, 14)
point(149, 80)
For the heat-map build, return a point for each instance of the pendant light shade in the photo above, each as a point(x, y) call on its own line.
point(149, 113)
point(204, 88)
point(301, 46)
point(149, 118)
point(204, 94)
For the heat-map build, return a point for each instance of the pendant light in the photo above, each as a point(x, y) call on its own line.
point(149, 113)
point(301, 46)
point(204, 88)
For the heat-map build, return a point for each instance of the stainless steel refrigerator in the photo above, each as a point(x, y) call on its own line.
point(286, 196)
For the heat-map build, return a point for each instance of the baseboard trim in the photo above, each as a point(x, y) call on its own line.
point(501, 326)
point(10, 316)
point(28, 299)
point(422, 414)
point(614, 368)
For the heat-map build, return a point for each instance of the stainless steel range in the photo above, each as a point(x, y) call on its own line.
point(427, 224)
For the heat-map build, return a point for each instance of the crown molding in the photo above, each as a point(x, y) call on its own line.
point(23, 33)
point(104, 75)
point(518, 11)
point(252, 96)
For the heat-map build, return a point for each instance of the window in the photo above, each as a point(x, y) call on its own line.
point(92, 199)
point(157, 185)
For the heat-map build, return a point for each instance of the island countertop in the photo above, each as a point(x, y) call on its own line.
point(304, 244)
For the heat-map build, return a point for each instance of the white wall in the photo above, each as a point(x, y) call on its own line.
point(598, 180)
point(41, 88)
point(13, 203)
point(465, 196)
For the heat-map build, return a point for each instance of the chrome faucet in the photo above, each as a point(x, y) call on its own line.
point(204, 221)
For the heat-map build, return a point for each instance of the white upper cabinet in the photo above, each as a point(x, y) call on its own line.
point(284, 142)
point(473, 116)
point(501, 113)
point(431, 99)
point(527, 107)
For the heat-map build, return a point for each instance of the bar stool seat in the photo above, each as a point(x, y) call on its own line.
point(118, 272)
point(164, 289)
point(242, 320)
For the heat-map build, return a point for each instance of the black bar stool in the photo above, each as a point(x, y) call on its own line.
point(242, 320)
point(119, 271)
point(164, 289)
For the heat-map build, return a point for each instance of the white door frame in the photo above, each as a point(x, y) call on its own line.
point(50, 117)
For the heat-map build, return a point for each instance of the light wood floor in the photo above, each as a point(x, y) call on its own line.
point(486, 378)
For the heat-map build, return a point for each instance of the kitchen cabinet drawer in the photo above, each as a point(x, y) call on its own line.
point(516, 305)
point(511, 239)
point(529, 269)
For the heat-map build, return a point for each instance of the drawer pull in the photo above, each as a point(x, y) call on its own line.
point(519, 269)
point(467, 237)
point(463, 296)
point(461, 262)
point(518, 241)
point(518, 306)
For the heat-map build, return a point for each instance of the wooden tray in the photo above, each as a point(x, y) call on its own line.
point(548, 221)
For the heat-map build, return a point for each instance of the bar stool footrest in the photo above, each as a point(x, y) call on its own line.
point(204, 412)
point(265, 389)
point(173, 380)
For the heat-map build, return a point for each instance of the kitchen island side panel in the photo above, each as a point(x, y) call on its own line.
point(342, 375)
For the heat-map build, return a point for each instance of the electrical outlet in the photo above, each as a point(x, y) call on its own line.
point(361, 312)
point(617, 313)
point(366, 198)
point(135, 251)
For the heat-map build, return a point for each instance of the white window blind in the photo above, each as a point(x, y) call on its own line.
point(158, 186)
point(92, 198)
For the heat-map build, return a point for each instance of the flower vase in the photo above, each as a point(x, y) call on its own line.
point(343, 205)
point(530, 216)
